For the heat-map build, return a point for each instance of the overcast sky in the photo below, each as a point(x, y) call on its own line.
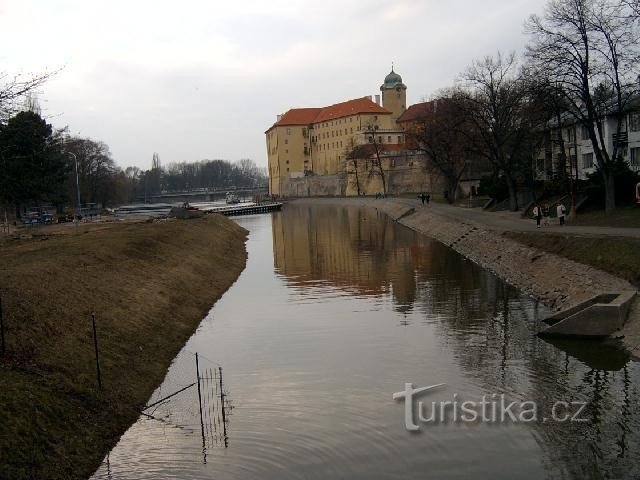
point(204, 79)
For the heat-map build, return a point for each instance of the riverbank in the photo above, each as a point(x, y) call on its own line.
point(555, 280)
point(149, 284)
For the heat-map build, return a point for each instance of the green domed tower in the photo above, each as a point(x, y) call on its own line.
point(394, 95)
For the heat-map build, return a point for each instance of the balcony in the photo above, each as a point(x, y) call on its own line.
point(622, 140)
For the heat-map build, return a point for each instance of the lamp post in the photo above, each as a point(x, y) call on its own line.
point(75, 159)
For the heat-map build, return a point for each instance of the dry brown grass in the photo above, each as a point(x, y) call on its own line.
point(150, 285)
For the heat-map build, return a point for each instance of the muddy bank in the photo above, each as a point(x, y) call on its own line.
point(150, 284)
point(556, 281)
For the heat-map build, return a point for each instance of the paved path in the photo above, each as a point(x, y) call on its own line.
point(510, 221)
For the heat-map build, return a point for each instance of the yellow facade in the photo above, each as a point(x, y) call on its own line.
point(316, 141)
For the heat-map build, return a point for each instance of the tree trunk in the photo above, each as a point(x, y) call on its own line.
point(452, 188)
point(355, 167)
point(609, 193)
point(513, 198)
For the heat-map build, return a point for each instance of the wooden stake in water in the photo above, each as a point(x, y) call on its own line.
point(2, 345)
point(95, 345)
point(200, 398)
point(224, 417)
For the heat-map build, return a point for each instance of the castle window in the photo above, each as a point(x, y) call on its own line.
point(351, 129)
point(389, 139)
point(288, 131)
point(379, 139)
point(286, 141)
point(399, 138)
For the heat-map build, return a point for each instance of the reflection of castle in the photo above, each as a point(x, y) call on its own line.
point(350, 248)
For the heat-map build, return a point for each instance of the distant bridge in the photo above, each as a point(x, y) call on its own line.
point(202, 195)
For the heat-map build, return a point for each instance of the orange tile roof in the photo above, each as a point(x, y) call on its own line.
point(348, 108)
point(299, 116)
point(416, 112)
point(306, 116)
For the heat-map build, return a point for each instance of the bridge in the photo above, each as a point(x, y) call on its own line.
point(203, 195)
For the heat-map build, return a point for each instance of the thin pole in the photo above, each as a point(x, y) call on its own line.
point(95, 345)
point(199, 398)
point(224, 418)
point(75, 158)
point(2, 345)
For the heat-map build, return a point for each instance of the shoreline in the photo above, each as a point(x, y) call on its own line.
point(554, 280)
point(150, 285)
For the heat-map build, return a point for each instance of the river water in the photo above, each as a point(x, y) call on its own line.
point(337, 309)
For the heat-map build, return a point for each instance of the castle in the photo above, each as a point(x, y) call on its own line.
point(311, 150)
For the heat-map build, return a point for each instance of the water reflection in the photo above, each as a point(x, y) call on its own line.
point(488, 325)
point(337, 309)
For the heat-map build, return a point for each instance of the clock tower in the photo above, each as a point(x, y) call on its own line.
point(394, 95)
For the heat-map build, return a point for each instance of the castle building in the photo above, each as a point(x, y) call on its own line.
point(307, 142)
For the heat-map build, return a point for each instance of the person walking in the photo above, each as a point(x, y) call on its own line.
point(561, 212)
point(423, 197)
point(537, 213)
point(428, 197)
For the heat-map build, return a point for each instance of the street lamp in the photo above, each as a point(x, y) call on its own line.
point(75, 159)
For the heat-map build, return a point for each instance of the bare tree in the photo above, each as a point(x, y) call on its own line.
point(442, 132)
point(14, 89)
point(370, 132)
point(352, 155)
point(590, 49)
point(504, 118)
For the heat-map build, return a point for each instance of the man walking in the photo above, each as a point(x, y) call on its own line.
point(561, 212)
point(537, 213)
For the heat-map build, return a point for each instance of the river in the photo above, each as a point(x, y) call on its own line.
point(337, 309)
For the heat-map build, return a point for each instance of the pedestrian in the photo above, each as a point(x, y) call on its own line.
point(537, 213)
point(561, 211)
point(423, 197)
point(428, 198)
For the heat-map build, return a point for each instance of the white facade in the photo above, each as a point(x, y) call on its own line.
point(579, 149)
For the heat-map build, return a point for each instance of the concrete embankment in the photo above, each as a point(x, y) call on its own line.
point(556, 281)
point(149, 284)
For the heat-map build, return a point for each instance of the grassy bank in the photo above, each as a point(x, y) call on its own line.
point(150, 285)
point(619, 256)
point(624, 217)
